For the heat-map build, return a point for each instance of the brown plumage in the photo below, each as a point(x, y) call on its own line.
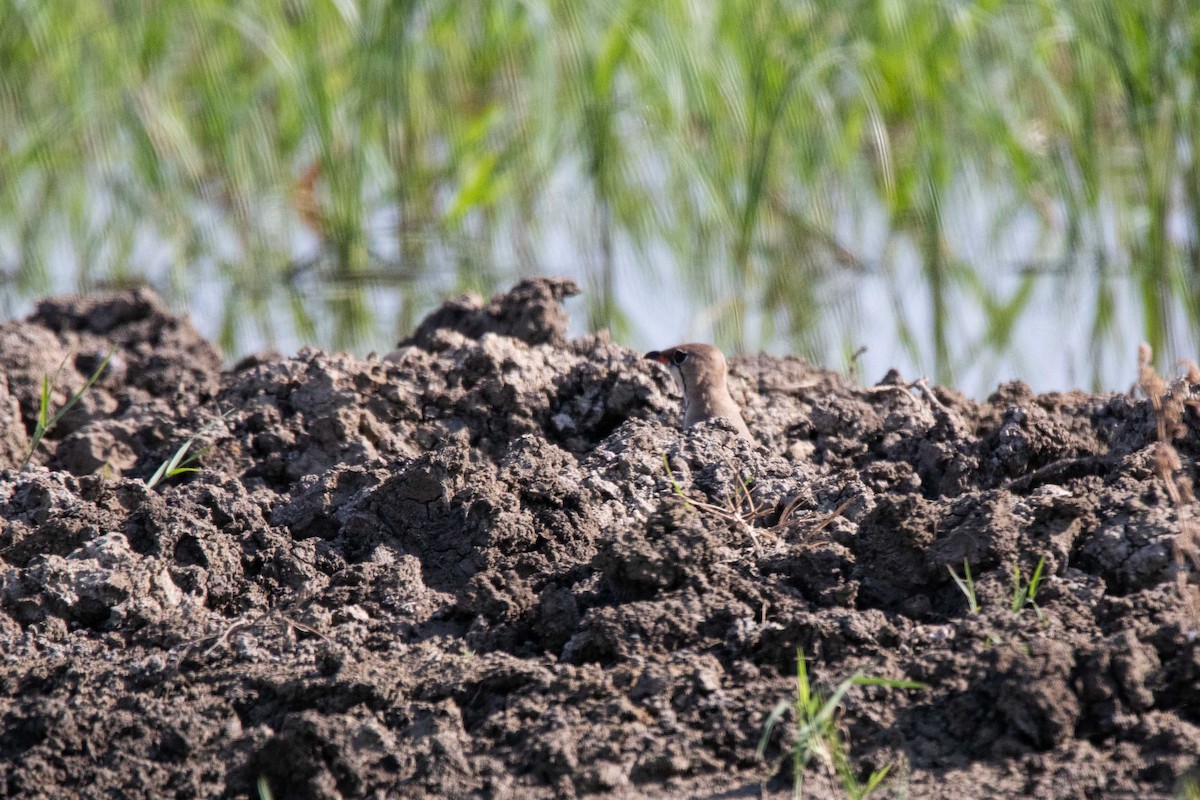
point(699, 371)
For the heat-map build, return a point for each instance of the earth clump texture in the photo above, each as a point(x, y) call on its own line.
point(489, 564)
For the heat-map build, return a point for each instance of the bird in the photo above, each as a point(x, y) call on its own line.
point(699, 371)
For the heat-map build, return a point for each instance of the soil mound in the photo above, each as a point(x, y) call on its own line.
point(490, 565)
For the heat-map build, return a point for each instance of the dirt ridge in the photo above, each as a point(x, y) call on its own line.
point(467, 570)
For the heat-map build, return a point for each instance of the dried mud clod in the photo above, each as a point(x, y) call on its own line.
point(531, 312)
point(490, 564)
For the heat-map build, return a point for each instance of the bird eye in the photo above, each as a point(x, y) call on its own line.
point(679, 357)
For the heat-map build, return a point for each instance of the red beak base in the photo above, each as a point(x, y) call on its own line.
point(655, 355)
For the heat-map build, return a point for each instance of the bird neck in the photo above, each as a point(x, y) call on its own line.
point(702, 401)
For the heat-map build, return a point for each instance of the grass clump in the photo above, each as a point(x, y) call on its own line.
point(818, 736)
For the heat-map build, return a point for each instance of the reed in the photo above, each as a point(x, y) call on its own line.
point(334, 147)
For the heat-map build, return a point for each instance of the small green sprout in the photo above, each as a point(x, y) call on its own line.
point(966, 586)
point(1025, 593)
point(818, 734)
point(180, 463)
point(44, 421)
point(177, 464)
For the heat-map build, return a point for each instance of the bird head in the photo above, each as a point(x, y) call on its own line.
point(693, 366)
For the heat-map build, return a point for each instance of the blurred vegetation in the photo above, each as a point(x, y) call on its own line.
point(272, 147)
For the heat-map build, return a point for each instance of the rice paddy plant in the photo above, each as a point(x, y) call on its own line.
point(1145, 54)
point(303, 155)
point(1024, 590)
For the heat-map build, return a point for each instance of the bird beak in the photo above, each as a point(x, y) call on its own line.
point(654, 355)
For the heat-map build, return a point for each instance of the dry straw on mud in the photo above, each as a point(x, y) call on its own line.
point(741, 511)
point(1169, 403)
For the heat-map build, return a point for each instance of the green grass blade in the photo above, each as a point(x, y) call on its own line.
point(967, 586)
point(95, 376)
point(877, 777)
point(773, 718)
point(803, 691)
point(1018, 598)
point(1036, 580)
point(157, 476)
point(44, 405)
point(45, 422)
point(178, 463)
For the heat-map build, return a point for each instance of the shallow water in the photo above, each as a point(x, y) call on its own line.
point(1052, 345)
